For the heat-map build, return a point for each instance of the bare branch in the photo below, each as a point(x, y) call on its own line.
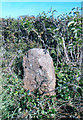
point(10, 64)
point(65, 50)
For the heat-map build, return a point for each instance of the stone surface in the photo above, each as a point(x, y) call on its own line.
point(39, 72)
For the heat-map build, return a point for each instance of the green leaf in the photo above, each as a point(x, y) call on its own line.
point(42, 111)
point(73, 8)
point(70, 23)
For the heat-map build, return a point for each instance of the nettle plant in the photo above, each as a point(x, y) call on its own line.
point(62, 37)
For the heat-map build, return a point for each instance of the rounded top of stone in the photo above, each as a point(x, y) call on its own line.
point(39, 50)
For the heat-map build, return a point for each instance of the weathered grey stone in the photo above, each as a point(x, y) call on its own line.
point(39, 71)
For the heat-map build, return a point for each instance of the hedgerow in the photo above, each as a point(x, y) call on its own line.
point(62, 37)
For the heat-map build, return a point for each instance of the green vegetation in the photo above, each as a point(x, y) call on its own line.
point(62, 37)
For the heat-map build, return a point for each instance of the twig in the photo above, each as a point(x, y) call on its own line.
point(65, 50)
point(10, 64)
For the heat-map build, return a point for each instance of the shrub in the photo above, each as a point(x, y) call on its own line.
point(62, 37)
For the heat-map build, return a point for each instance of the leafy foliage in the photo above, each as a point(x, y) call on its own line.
point(62, 37)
